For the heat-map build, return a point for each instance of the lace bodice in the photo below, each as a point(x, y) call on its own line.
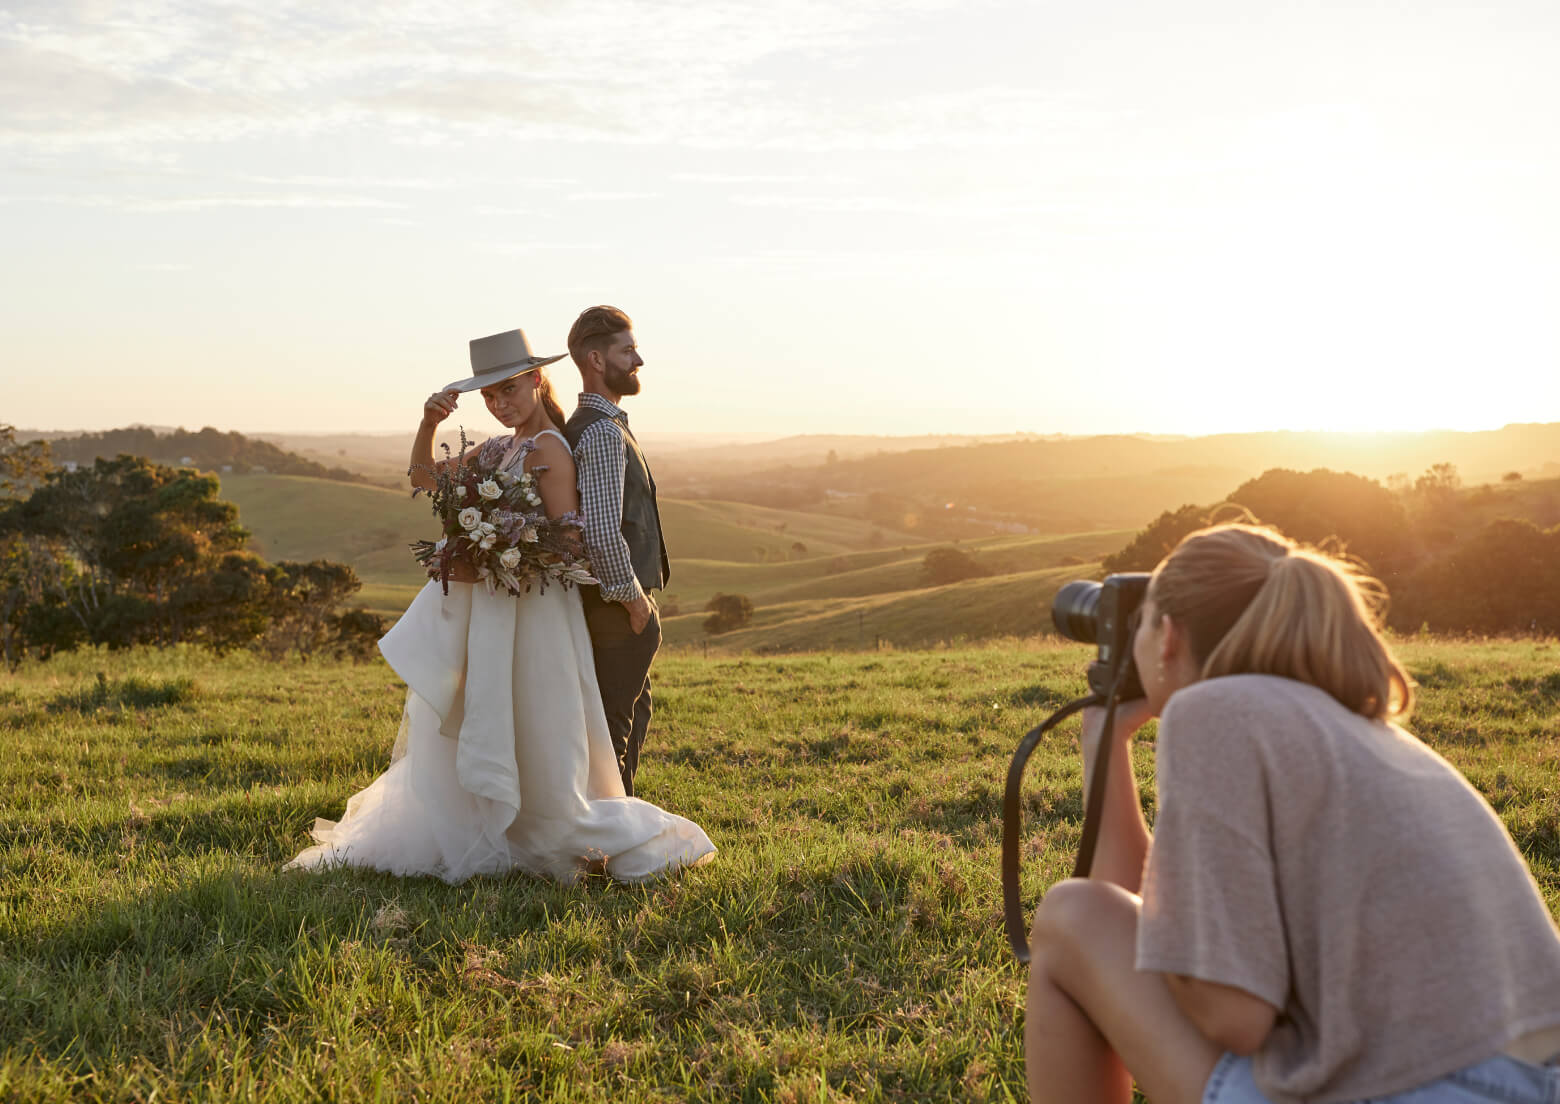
point(515, 449)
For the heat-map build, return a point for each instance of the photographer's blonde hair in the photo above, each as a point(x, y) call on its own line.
point(1252, 601)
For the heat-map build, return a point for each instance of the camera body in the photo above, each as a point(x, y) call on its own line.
point(1104, 614)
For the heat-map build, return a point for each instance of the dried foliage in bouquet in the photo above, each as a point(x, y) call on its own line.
point(491, 514)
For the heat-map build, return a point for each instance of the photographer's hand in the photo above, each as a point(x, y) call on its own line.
point(1130, 716)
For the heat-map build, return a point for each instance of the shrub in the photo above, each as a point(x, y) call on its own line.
point(355, 634)
point(727, 612)
point(949, 565)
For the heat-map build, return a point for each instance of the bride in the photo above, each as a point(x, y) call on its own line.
point(503, 761)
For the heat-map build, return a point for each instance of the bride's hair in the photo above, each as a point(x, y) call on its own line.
point(549, 400)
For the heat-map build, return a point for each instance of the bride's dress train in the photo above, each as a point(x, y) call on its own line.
point(503, 760)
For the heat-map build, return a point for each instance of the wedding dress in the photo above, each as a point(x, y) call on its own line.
point(503, 761)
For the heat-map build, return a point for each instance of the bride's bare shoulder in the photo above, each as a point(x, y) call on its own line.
point(550, 450)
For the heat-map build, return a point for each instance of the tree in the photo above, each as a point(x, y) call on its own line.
point(136, 533)
point(1155, 542)
point(131, 552)
point(22, 466)
point(1437, 504)
point(1438, 479)
point(302, 598)
point(228, 606)
point(949, 565)
point(1506, 578)
point(27, 562)
point(727, 612)
point(35, 578)
point(1337, 510)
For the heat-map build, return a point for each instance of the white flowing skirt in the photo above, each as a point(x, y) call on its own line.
point(503, 761)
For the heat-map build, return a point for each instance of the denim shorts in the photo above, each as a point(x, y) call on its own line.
point(1498, 1080)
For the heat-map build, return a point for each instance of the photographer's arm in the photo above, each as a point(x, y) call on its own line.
point(1123, 839)
point(1227, 1017)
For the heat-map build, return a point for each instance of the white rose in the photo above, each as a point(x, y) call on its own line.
point(488, 528)
point(510, 558)
point(489, 489)
point(469, 518)
point(529, 534)
point(533, 500)
point(460, 491)
point(486, 542)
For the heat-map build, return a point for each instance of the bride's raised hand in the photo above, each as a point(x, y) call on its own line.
point(440, 405)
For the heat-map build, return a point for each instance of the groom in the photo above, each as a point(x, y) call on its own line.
point(622, 528)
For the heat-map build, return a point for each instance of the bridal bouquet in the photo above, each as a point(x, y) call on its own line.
point(493, 521)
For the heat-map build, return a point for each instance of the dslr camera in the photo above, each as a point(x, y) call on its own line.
point(1105, 614)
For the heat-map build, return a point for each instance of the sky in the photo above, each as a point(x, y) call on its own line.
point(824, 216)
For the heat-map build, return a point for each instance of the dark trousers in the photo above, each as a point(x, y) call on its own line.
point(623, 660)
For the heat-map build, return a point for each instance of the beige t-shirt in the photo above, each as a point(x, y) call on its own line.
point(1342, 871)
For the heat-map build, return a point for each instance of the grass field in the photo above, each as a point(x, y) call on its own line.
point(845, 945)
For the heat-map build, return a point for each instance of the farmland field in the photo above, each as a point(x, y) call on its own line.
point(817, 581)
point(844, 945)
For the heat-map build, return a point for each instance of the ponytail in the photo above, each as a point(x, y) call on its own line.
point(549, 400)
point(1253, 602)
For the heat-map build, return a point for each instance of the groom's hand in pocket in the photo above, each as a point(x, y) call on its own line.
point(638, 613)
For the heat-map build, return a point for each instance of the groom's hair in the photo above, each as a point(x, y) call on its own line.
point(594, 329)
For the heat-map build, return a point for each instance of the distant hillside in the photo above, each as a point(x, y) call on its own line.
point(295, 518)
point(1093, 482)
point(381, 457)
point(208, 450)
point(814, 577)
point(690, 459)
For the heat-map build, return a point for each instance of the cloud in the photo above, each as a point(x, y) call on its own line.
point(747, 178)
point(409, 183)
point(150, 204)
point(520, 249)
point(172, 71)
point(971, 205)
point(611, 197)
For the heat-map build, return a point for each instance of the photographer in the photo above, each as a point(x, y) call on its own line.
point(1328, 910)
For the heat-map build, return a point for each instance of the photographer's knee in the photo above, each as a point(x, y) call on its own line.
point(1073, 911)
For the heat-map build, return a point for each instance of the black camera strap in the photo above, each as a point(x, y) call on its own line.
point(1094, 807)
point(1012, 822)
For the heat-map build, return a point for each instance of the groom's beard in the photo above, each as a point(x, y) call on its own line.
point(622, 382)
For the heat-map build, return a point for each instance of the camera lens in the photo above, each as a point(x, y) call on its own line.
point(1075, 611)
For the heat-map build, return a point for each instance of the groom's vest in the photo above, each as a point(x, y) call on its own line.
point(641, 518)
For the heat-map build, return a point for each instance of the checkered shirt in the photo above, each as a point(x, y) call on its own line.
point(599, 459)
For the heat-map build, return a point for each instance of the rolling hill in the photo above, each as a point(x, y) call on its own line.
point(815, 578)
point(976, 609)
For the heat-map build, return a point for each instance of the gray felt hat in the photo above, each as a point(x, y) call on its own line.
point(500, 357)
